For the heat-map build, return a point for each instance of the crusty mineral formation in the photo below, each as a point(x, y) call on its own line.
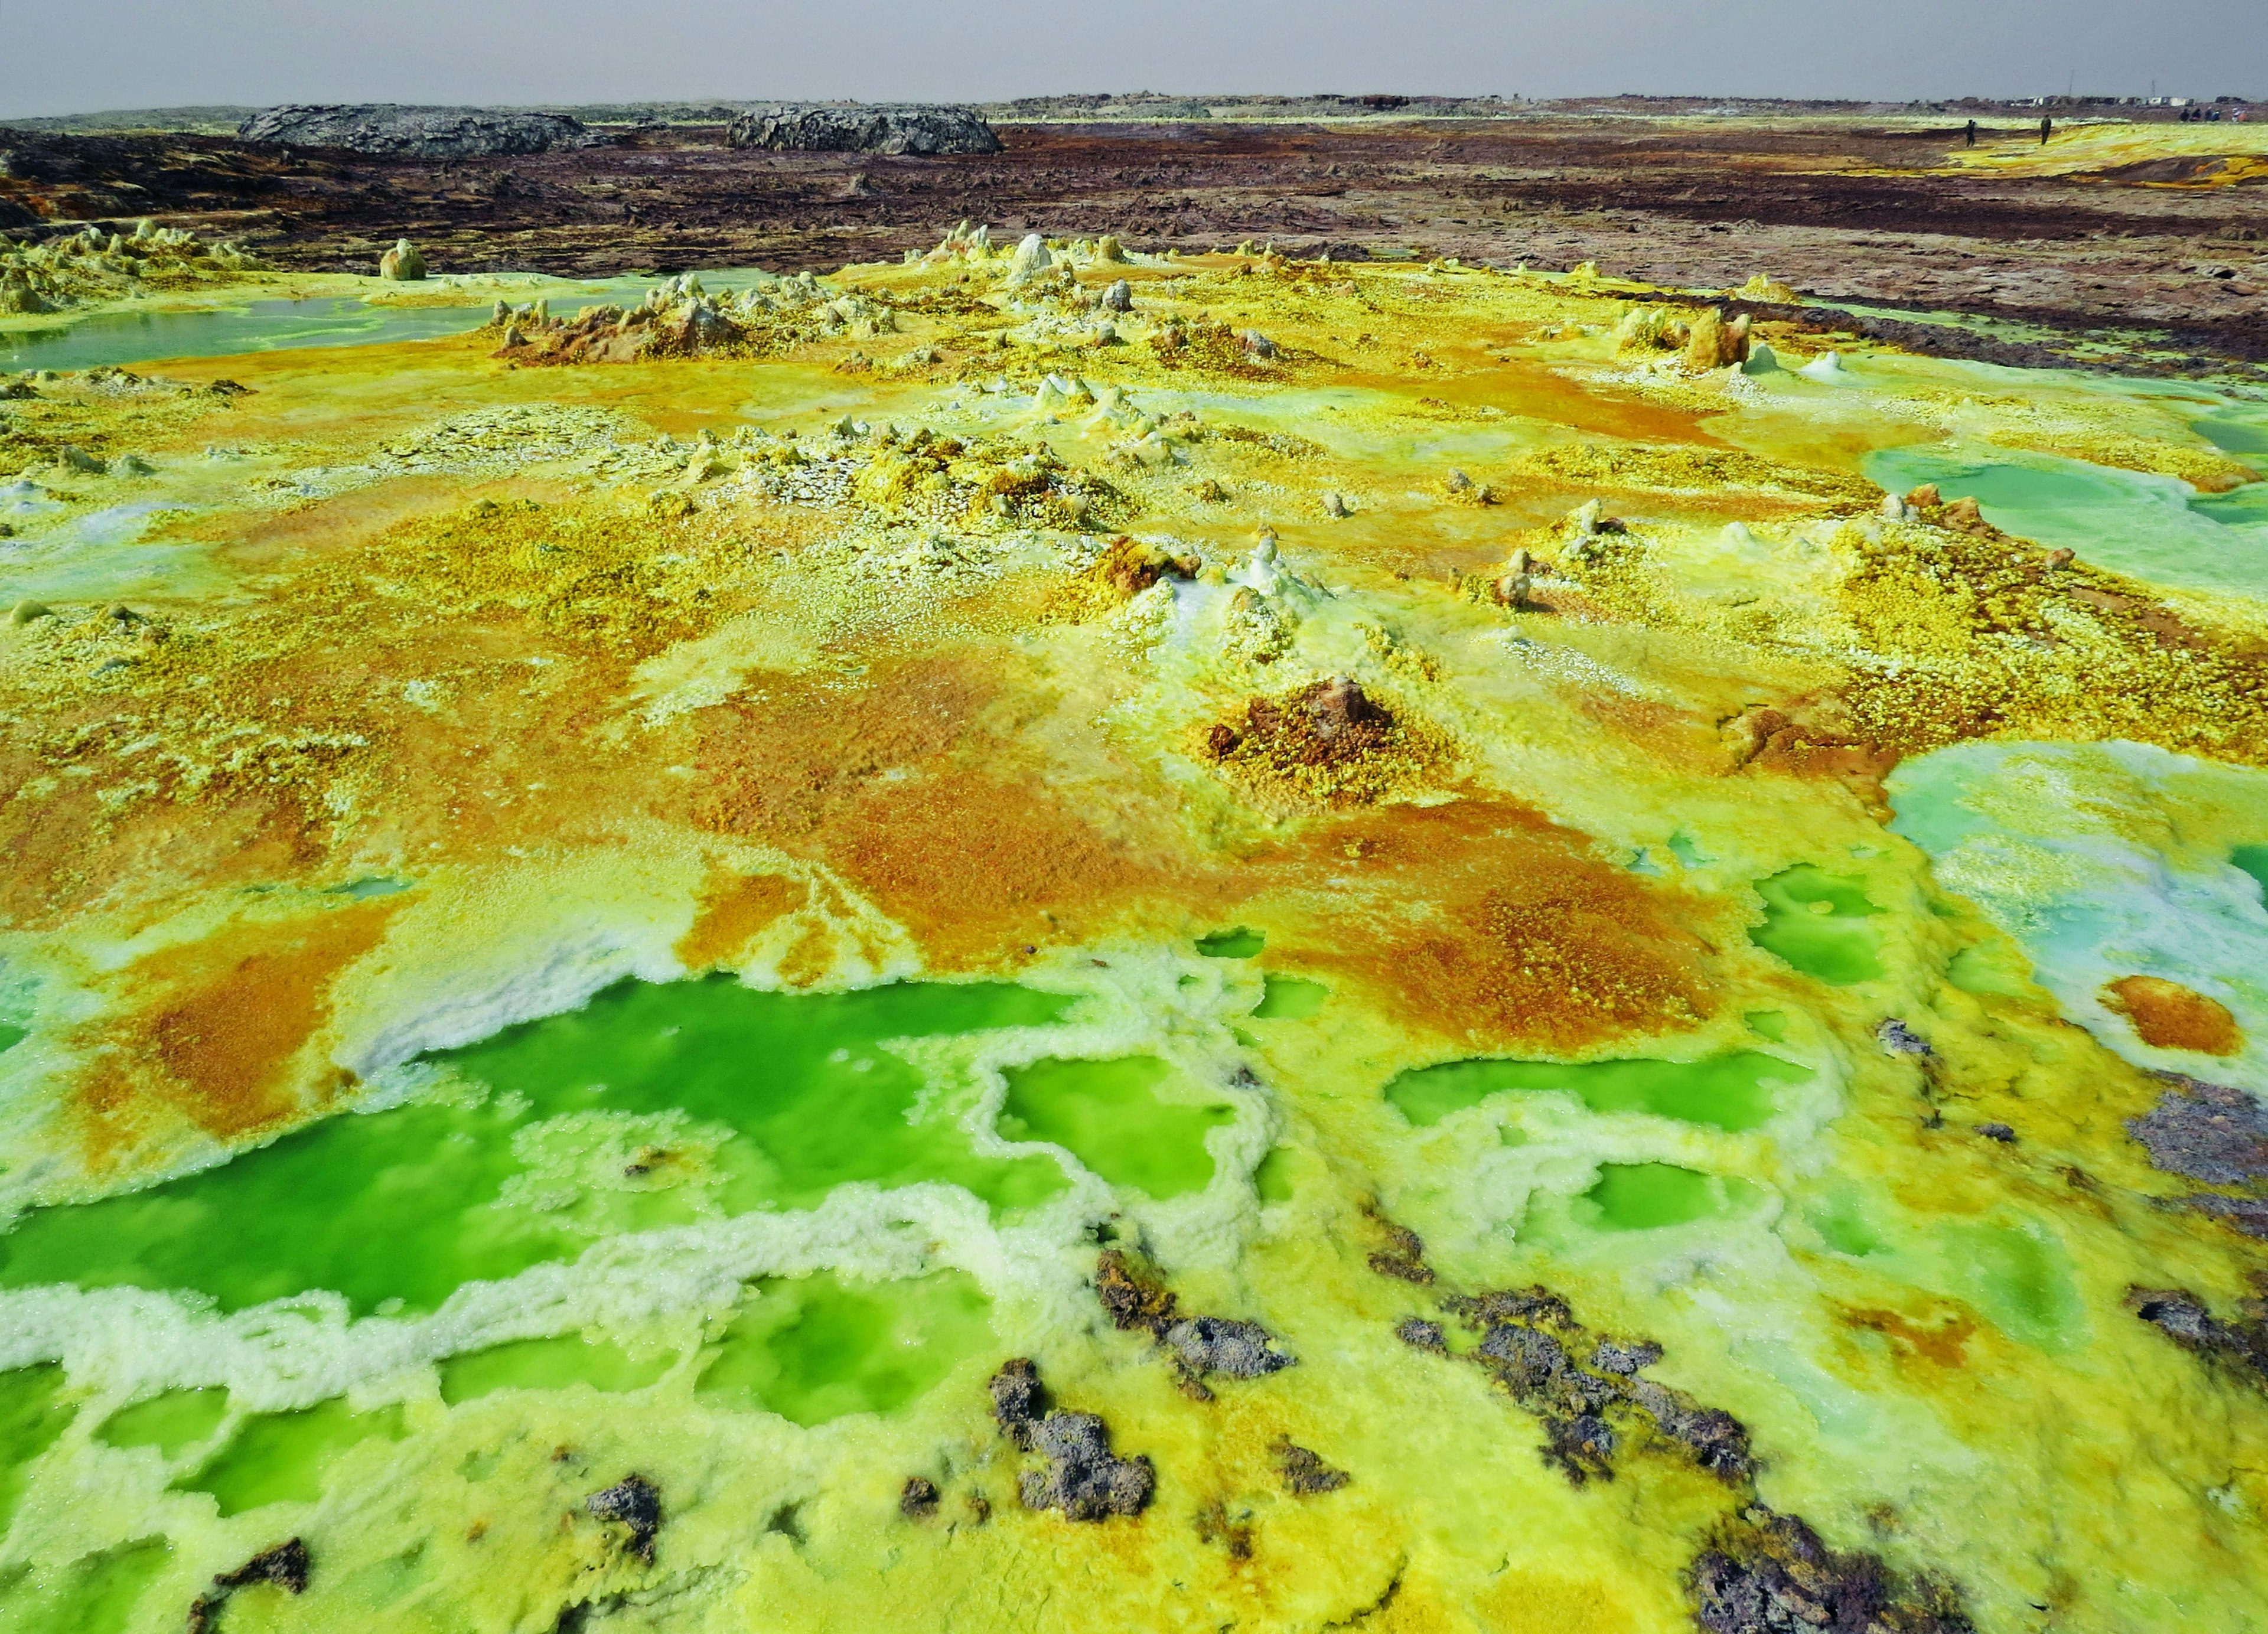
point(402, 263)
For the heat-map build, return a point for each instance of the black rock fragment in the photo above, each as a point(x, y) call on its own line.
point(635, 1503)
point(1533, 1304)
point(285, 1565)
point(1897, 1039)
point(1530, 1342)
point(1215, 1525)
point(1612, 1356)
point(1769, 1573)
point(1718, 1441)
point(1403, 1257)
point(2183, 1318)
point(1580, 1446)
point(1019, 1401)
point(1083, 1478)
point(917, 1500)
point(1130, 1297)
point(2248, 1215)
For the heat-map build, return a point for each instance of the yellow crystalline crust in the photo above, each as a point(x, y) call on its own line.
point(625, 679)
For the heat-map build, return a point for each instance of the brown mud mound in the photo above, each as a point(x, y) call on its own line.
point(1328, 743)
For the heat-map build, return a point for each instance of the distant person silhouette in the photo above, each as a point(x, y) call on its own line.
point(2046, 125)
point(1969, 136)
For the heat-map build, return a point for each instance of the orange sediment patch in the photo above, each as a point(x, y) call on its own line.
point(777, 770)
point(923, 805)
point(219, 1043)
point(1942, 1341)
point(2166, 1015)
point(1487, 924)
point(973, 864)
point(735, 909)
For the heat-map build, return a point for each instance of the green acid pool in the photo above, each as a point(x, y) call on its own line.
point(653, 1106)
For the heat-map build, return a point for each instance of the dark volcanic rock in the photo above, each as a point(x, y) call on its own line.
point(2182, 1317)
point(1083, 1478)
point(1531, 1342)
point(1219, 1345)
point(1199, 1344)
point(1768, 1573)
point(876, 128)
point(285, 1565)
point(418, 132)
point(635, 1502)
point(2205, 1131)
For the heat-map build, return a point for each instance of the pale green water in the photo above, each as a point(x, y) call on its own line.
point(2099, 861)
point(1817, 922)
point(2231, 436)
point(96, 1593)
point(169, 1421)
point(2014, 1272)
point(103, 340)
point(1237, 943)
point(109, 339)
point(1643, 1197)
point(276, 1458)
point(1986, 968)
point(1108, 1116)
point(31, 1418)
point(549, 1364)
point(2155, 527)
point(1289, 998)
point(817, 1348)
point(1732, 1091)
point(651, 1106)
point(2253, 860)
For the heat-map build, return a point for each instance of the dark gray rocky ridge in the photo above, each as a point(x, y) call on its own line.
point(871, 127)
point(399, 129)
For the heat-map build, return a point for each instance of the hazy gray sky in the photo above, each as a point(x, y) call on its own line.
point(80, 55)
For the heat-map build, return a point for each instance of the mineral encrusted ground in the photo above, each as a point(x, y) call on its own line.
point(1565, 954)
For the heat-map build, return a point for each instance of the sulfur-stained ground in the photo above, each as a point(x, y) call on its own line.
point(1406, 878)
